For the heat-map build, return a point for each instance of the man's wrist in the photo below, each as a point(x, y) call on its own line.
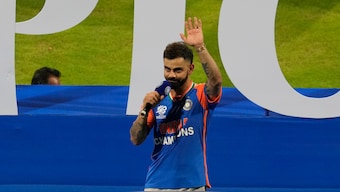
point(143, 113)
point(200, 48)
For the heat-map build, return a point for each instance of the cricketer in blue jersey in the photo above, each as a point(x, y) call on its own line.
point(180, 119)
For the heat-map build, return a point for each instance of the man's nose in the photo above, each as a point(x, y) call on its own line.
point(172, 74)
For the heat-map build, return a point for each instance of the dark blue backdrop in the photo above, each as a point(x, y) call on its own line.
point(79, 135)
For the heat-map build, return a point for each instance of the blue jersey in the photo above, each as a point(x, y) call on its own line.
point(180, 127)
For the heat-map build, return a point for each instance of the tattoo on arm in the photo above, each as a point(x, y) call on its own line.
point(139, 131)
point(206, 69)
point(212, 89)
point(207, 72)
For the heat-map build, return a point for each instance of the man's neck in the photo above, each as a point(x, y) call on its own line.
point(179, 92)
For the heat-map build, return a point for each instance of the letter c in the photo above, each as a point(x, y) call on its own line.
point(247, 48)
point(56, 16)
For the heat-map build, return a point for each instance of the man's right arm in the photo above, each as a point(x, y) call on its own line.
point(139, 130)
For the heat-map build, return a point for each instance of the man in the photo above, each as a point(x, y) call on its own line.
point(180, 119)
point(46, 76)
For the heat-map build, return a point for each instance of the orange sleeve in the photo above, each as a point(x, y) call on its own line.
point(203, 98)
point(150, 119)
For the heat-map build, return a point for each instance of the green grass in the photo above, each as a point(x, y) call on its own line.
point(308, 42)
point(99, 50)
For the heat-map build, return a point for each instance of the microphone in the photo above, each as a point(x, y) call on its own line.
point(163, 89)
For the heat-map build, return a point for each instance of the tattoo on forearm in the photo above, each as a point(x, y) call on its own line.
point(139, 132)
point(208, 73)
point(206, 69)
point(211, 89)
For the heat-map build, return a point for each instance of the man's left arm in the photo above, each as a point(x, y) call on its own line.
point(194, 37)
point(214, 81)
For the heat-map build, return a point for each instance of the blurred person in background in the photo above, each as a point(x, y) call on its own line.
point(46, 76)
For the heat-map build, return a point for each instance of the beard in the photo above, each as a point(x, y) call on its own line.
point(177, 83)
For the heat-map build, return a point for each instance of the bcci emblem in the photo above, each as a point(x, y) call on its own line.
point(188, 105)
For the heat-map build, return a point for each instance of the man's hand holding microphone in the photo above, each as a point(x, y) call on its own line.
point(153, 98)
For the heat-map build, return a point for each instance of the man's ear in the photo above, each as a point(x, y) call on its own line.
point(192, 67)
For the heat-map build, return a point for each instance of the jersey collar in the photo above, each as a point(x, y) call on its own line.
point(179, 97)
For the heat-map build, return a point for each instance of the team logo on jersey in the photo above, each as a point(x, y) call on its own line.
point(188, 105)
point(161, 110)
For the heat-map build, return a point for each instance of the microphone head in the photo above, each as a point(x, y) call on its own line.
point(164, 88)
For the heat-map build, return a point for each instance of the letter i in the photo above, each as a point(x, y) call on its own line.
point(8, 101)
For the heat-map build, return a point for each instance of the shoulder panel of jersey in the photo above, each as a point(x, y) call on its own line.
point(203, 97)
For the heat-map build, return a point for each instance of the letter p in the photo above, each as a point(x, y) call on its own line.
point(55, 16)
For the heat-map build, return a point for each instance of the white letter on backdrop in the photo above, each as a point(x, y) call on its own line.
point(8, 101)
point(156, 23)
point(55, 16)
point(247, 47)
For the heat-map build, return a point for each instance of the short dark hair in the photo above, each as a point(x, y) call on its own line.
point(41, 75)
point(176, 50)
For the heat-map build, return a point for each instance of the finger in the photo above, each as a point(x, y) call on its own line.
point(150, 97)
point(155, 100)
point(155, 97)
point(150, 100)
point(186, 25)
point(190, 23)
point(200, 23)
point(183, 37)
point(196, 23)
